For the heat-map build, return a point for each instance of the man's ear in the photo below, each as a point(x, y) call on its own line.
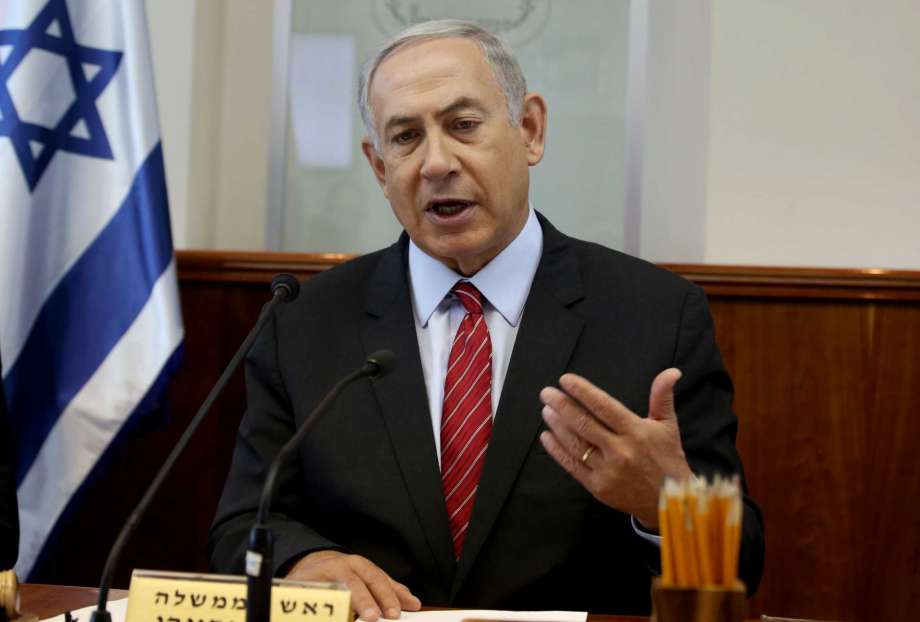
point(533, 127)
point(376, 162)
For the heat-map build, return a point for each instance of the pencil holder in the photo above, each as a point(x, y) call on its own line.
point(703, 604)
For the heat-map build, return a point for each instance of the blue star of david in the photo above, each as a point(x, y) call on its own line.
point(34, 144)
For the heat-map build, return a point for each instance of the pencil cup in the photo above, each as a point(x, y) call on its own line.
point(703, 604)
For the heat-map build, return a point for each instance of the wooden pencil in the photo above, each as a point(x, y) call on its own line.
point(667, 561)
point(703, 534)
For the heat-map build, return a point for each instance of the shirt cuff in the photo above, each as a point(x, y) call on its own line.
point(649, 537)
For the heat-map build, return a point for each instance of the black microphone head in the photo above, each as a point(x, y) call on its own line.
point(286, 286)
point(383, 361)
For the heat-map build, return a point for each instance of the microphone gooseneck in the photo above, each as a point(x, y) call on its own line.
point(282, 292)
point(261, 540)
point(376, 365)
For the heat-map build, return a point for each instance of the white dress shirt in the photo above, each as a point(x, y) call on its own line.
point(504, 283)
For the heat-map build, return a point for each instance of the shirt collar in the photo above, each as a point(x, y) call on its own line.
point(505, 281)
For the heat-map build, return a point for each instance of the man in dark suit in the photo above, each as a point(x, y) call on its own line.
point(9, 513)
point(466, 476)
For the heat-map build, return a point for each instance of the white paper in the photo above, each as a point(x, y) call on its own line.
point(322, 87)
point(456, 615)
point(117, 608)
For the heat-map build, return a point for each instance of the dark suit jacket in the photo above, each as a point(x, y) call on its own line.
point(366, 480)
point(9, 513)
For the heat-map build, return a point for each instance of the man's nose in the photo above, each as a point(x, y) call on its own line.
point(439, 158)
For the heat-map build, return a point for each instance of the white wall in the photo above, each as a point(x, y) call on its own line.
point(212, 63)
point(244, 106)
point(172, 44)
point(814, 133)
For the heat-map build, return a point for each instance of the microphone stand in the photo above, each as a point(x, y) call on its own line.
point(259, 556)
point(284, 288)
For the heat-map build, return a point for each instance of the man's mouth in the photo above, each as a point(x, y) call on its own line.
point(446, 208)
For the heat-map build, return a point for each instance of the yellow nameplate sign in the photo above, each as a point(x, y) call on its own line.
point(182, 597)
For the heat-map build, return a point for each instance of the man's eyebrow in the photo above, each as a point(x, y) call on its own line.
point(458, 104)
point(397, 121)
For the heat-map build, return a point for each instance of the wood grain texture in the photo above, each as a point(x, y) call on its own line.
point(826, 394)
point(826, 365)
point(52, 600)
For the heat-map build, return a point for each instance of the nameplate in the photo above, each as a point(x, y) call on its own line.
point(183, 597)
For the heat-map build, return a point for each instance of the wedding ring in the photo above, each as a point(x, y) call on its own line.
point(587, 454)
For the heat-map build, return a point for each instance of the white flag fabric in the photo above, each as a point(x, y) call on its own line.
point(90, 324)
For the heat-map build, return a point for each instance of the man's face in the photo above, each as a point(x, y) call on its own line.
point(452, 166)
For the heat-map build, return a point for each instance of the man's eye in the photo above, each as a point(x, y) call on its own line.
point(466, 124)
point(404, 137)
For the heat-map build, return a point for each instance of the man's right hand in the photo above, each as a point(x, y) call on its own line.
point(373, 592)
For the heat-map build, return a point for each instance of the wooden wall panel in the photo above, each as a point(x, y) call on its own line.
point(827, 379)
point(892, 469)
point(796, 368)
point(827, 394)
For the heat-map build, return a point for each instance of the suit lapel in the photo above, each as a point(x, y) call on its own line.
point(546, 338)
point(388, 323)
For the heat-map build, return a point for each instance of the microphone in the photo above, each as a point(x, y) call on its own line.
point(261, 540)
point(384, 360)
point(285, 288)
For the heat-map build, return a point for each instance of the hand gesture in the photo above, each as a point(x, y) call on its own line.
point(619, 457)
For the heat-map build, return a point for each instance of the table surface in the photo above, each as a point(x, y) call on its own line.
point(46, 601)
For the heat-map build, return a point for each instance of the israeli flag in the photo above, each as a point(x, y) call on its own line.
point(89, 310)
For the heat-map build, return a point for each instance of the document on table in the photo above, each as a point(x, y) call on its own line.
point(456, 615)
point(118, 609)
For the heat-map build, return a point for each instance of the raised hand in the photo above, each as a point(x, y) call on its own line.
point(619, 457)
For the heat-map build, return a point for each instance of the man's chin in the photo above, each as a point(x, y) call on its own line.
point(465, 261)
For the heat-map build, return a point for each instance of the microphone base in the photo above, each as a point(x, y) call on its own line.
point(259, 564)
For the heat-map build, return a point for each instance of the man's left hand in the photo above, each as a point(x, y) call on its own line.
point(619, 457)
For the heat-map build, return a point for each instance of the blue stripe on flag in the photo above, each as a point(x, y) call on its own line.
point(89, 310)
point(149, 403)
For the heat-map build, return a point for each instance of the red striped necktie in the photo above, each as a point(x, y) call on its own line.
point(466, 421)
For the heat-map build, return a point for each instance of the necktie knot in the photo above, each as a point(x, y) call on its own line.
point(471, 297)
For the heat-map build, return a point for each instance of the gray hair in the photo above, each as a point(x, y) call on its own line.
point(504, 65)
